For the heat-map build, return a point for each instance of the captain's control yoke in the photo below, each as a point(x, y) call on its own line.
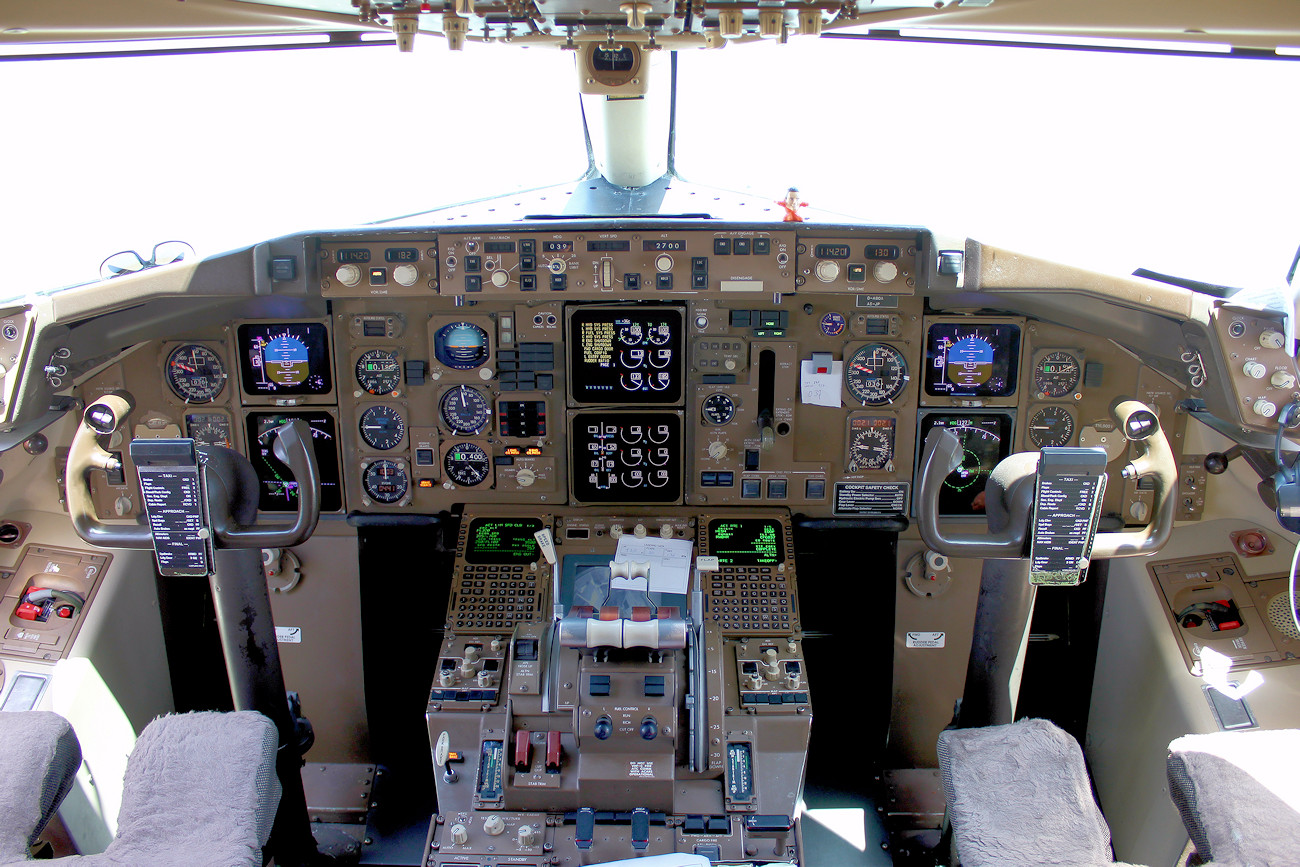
point(201, 505)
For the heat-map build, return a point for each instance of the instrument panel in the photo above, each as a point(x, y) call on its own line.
point(745, 366)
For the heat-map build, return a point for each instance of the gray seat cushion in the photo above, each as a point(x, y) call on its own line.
point(200, 790)
point(1018, 796)
point(38, 762)
point(1239, 795)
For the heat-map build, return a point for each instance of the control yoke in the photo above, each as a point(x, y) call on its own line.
point(1012, 486)
point(225, 485)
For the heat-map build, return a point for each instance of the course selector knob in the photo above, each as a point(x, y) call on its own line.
point(348, 275)
point(406, 275)
point(884, 272)
point(827, 270)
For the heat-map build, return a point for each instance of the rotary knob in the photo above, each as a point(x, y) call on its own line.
point(666, 531)
point(663, 263)
point(1254, 369)
point(348, 275)
point(1282, 379)
point(884, 272)
point(616, 531)
point(447, 677)
point(1265, 408)
point(459, 835)
point(827, 270)
point(494, 825)
point(500, 278)
point(527, 836)
point(1271, 339)
point(639, 531)
point(406, 275)
point(557, 266)
point(771, 668)
point(718, 450)
point(525, 477)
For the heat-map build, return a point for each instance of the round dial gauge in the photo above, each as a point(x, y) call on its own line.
point(209, 430)
point(385, 481)
point(1051, 426)
point(876, 374)
point(195, 373)
point(1056, 374)
point(871, 448)
point(466, 464)
point(719, 408)
point(378, 372)
point(382, 427)
point(465, 410)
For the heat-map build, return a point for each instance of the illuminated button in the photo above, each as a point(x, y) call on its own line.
point(857, 273)
point(378, 276)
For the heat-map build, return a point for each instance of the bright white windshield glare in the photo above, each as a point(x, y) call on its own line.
point(1110, 161)
point(224, 150)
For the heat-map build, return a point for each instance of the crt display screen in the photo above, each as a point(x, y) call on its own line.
point(622, 355)
point(985, 440)
point(502, 540)
point(972, 360)
point(284, 358)
point(746, 541)
point(278, 492)
point(626, 457)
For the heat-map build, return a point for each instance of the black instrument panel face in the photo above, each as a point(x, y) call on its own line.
point(747, 541)
point(972, 359)
point(285, 359)
point(985, 440)
point(626, 355)
point(502, 540)
point(277, 489)
point(626, 456)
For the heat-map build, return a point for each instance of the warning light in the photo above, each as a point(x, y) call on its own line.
point(425, 483)
point(513, 450)
point(533, 450)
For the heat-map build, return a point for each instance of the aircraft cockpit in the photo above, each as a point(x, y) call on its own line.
point(628, 520)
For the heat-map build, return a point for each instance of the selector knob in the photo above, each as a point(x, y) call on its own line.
point(666, 531)
point(771, 669)
point(827, 270)
point(792, 680)
point(649, 728)
point(493, 825)
point(500, 279)
point(1254, 369)
point(485, 678)
point(639, 531)
point(459, 834)
point(884, 272)
point(663, 263)
point(616, 531)
point(406, 275)
point(527, 836)
point(525, 477)
point(755, 682)
point(1271, 339)
point(603, 728)
point(557, 266)
point(718, 450)
point(471, 653)
point(1282, 379)
point(447, 678)
point(348, 275)
point(1265, 408)
point(497, 645)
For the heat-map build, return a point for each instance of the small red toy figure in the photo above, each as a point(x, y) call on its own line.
point(792, 206)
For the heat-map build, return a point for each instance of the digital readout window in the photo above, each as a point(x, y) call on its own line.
point(746, 541)
point(502, 540)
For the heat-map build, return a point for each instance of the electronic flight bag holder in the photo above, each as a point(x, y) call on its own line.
point(1067, 506)
point(176, 504)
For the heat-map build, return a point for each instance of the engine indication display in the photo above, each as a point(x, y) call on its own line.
point(626, 457)
point(876, 374)
point(195, 373)
point(278, 490)
point(378, 372)
point(626, 355)
point(985, 440)
point(385, 481)
point(871, 443)
point(972, 359)
point(1056, 375)
point(284, 358)
point(746, 541)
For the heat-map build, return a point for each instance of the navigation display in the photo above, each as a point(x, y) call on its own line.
point(622, 355)
point(502, 540)
point(985, 440)
point(277, 490)
point(746, 541)
point(284, 358)
point(626, 457)
point(972, 359)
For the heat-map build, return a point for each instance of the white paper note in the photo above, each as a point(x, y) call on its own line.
point(669, 559)
point(820, 389)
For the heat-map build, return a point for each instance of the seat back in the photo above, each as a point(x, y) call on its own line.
point(38, 762)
